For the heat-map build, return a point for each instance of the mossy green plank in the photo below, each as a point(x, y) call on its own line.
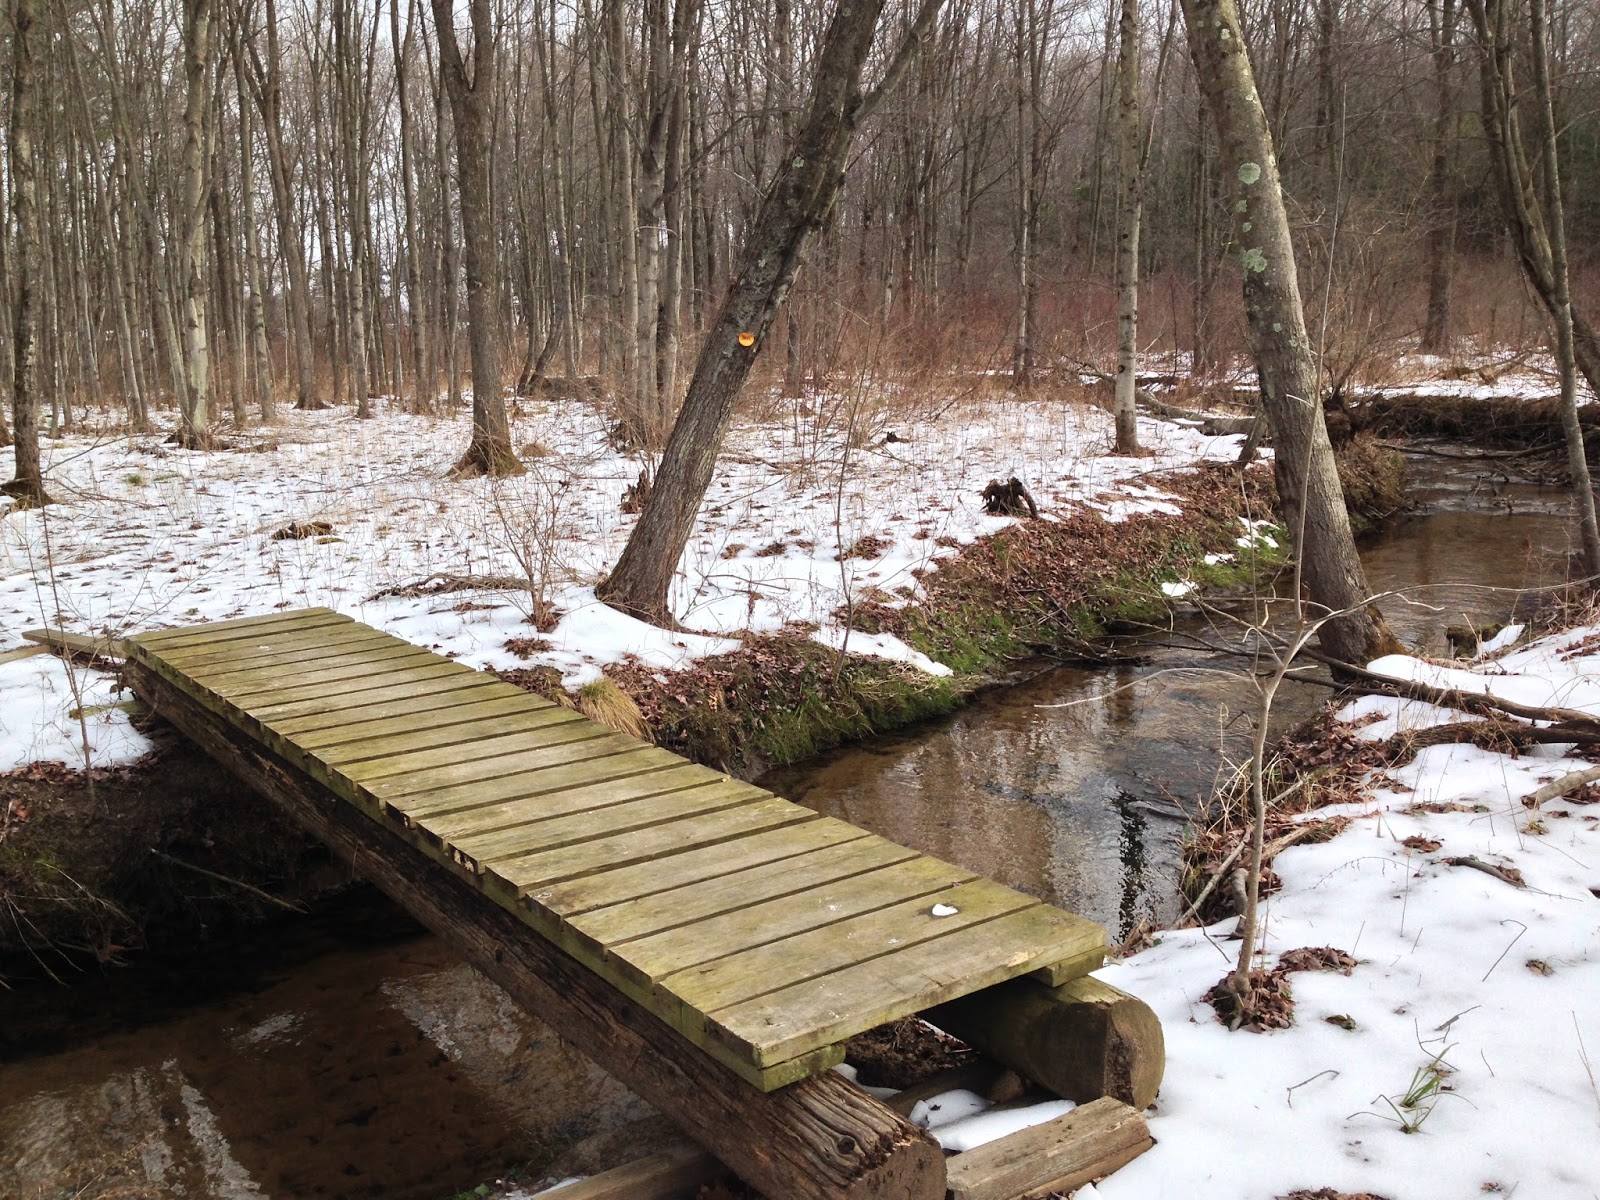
point(772, 922)
point(576, 828)
point(576, 744)
point(480, 741)
point(351, 733)
point(749, 973)
point(505, 814)
point(780, 1024)
point(295, 717)
point(529, 782)
point(646, 845)
point(269, 646)
point(732, 890)
point(240, 627)
point(688, 872)
point(239, 686)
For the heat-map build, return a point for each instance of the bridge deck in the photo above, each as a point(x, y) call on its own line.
point(762, 931)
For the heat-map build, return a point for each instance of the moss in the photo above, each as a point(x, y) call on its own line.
point(1037, 587)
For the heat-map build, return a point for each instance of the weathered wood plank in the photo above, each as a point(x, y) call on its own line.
point(75, 645)
point(254, 679)
point(692, 868)
point(1058, 1156)
point(270, 646)
point(787, 1022)
point(405, 700)
point(349, 733)
point(240, 627)
point(478, 743)
point(756, 971)
point(657, 956)
point(530, 782)
point(21, 652)
point(506, 814)
point(579, 743)
point(821, 1139)
point(731, 889)
point(673, 1174)
point(350, 690)
point(659, 841)
point(557, 832)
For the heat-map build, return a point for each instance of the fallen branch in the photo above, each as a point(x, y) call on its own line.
point(1477, 864)
point(1562, 786)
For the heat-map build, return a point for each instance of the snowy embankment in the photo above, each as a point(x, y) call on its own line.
point(147, 535)
point(1472, 910)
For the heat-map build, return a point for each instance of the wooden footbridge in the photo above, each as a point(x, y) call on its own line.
point(707, 942)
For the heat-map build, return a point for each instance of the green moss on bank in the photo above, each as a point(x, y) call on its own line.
point(1039, 587)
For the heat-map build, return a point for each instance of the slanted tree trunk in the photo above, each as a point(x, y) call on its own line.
point(27, 488)
point(193, 194)
point(1310, 500)
point(796, 204)
point(1130, 155)
point(490, 451)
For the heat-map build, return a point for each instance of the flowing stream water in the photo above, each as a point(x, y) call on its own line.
point(341, 1061)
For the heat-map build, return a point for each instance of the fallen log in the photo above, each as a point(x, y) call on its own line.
point(1085, 1144)
point(1082, 1040)
point(820, 1139)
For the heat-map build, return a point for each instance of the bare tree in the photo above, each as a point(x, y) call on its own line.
point(1130, 169)
point(1309, 494)
point(27, 487)
point(796, 204)
point(471, 97)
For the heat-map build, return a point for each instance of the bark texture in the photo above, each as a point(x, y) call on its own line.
point(1310, 499)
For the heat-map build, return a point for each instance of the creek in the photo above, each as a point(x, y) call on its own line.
point(352, 1056)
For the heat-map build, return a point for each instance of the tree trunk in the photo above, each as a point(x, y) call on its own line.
point(1310, 500)
point(27, 488)
point(1442, 234)
point(1130, 153)
point(796, 204)
point(195, 403)
point(490, 451)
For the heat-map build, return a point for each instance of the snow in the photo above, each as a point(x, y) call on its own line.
point(1500, 984)
point(795, 529)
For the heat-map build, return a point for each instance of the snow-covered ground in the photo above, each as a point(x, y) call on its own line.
point(147, 535)
point(1497, 984)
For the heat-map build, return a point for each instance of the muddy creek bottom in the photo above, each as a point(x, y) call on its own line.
point(392, 1070)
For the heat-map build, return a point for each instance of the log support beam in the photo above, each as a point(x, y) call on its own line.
point(1082, 1040)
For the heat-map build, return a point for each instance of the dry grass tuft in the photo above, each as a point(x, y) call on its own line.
point(605, 702)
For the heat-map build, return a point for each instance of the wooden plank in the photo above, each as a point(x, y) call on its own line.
point(239, 627)
point(77, 645)
point(580, 742)
point(277, 676)
point(734, 889)
point(269, 646)
point(341, 691)
point(20, 652)
point(1058, 1156)
point(507, 813)
point(821, 1139)
point(404, 700)
point(558, 832)
point(789, 1021)
point(481, 734)
point(757, 971)
point(531, 781)
point(335, 737)
point(659, 956)
point(673, 1174)
point(482, 741)
point(693, 868)
point(660, 841)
